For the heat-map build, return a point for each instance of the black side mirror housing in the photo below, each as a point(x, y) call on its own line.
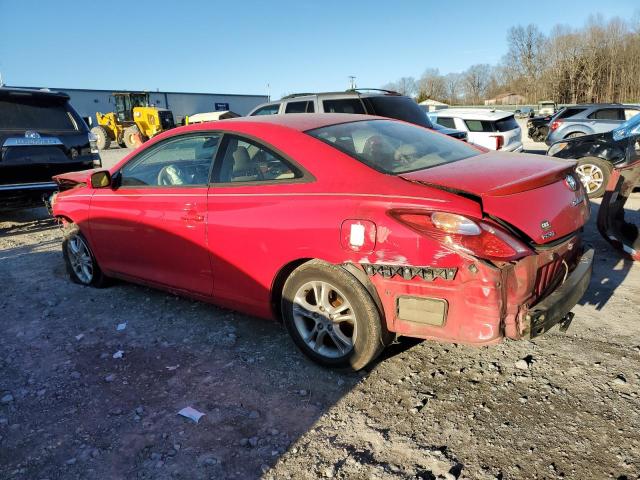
point(101, 179)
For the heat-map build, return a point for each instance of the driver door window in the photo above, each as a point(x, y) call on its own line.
point(180, 162)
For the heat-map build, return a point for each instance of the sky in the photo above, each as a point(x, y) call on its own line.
point(263, 47)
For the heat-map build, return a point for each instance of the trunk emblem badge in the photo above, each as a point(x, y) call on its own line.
point(545, 224)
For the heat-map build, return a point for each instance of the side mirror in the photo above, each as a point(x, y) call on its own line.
point(101, 179)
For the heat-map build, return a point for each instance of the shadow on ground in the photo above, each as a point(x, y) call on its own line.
point(610, 268)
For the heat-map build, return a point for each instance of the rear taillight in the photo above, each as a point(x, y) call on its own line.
point(474, 237)
point(555, 124)
point(499, 141)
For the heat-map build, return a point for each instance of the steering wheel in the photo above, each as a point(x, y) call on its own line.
point(170, 175)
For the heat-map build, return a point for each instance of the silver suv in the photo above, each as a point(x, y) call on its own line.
point(383, 103)
point(587, 119)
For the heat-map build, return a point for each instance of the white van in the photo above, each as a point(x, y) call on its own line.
point(492, 129)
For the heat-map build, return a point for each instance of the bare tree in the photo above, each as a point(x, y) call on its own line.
point(596, 63)
point(407, 86)
point(431, 85)
point(522, 61)
point(476, 80)
point(453, 87)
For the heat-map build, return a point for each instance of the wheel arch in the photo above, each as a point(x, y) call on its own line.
point(278, 284)
point(351, 268)
point(573, 130)
point(596, 157)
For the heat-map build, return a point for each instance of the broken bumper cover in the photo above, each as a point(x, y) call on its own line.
point(554, 308)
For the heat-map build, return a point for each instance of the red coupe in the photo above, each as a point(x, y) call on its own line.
point(352, 229)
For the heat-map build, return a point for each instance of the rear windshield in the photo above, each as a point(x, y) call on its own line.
point(393, 147)
point(506, 124)
point(502, 125)
point(34, 113)
point(401, 108)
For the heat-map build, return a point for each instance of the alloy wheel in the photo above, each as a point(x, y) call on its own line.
point(324, 318)
point(591, 176)
point(80, 259)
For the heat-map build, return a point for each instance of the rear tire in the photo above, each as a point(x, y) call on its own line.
point(103, 141)
point(594, 174)
point(332, 318)
point(131, 136)
point(81, 264)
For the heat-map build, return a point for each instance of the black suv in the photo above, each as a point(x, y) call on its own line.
point(371, 101)
point(41, 135)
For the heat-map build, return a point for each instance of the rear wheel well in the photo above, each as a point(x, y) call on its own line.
point(284, 273)
point(278, 285)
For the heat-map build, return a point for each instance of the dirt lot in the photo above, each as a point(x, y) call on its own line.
point(563, 406)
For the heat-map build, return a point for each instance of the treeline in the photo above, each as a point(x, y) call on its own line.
point(597, 63)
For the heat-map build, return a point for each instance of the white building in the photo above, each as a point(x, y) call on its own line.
point(433, 105)
point(87, 102)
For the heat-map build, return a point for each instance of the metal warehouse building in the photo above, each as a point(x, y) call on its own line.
point(88, 102)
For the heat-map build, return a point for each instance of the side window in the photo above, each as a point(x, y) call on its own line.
point(607, 114)
point(295, 107)
point(446, 122)
point(267, 110)
point(345, 105)
point(569, 112)
point(479, 125)
point(630, 113)
point(299, 107)
point(247, 161)
point(182, 161)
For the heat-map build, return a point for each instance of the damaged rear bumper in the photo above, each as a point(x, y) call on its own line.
point(554, 308)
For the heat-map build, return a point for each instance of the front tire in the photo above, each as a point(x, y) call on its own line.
point(332, 318)
point(131, 136)
point(594, 174)
point(80, 261)
point(103, 141)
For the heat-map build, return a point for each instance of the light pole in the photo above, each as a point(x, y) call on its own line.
point(352, 82)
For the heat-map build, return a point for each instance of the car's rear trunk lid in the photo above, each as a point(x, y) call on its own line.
point(529, 192)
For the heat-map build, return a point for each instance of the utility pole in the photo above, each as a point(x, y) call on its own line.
point(352, 82)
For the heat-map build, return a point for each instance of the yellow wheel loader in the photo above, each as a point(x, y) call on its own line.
point(134, 118)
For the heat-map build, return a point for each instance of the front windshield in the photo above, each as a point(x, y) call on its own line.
point(627, 128)
point(393, 147)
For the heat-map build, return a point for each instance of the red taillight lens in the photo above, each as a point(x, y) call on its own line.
point(499, 141)
point(555, 125)
point(460, 233)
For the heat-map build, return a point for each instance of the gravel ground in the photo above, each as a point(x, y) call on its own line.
point(562, 406)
